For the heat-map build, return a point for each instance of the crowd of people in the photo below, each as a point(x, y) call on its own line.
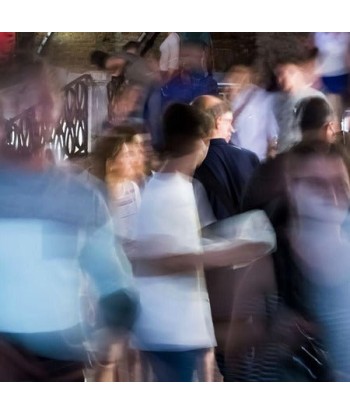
point(203, 238)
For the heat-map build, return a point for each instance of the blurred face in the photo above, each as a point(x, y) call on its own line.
point(115, 65)
point(120, 165)
point(224, 125)
point(287, 76)
point(320, 189)
point(330, 132)
point(191, 58)
point(136, 157)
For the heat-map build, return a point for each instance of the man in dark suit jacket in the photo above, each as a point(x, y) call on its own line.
point(224, 174)
point(227, 168)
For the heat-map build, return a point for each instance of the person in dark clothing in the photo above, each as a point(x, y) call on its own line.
point(224, 174)
point(227, 168)
point(204, 39)
point(267, 190)
point(192, 81)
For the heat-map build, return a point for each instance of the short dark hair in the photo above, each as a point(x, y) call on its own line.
point(312, 113)
point(183, 125)
point(99, 58)
point(296, 56)
point(131, 45)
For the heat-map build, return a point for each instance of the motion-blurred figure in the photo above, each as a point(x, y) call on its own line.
point(334, 67)
point(175, 324)
point(319, 194)
point(254, 123)
point(294, 86)
point(56, 233)
point(268, 190)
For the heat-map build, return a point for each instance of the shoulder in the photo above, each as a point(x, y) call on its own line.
point(242, 152)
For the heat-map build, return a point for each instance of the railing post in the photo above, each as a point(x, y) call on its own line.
point(89, 116)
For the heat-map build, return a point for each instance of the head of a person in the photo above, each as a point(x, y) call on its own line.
point(240, 77)
point(112, 158)
point(39, 100)
point(221, 113)
point(137, 154)
point(315, 118)
point(132, 47)
point(289, 72)
point(186, 132)
point(318, 184)
point(99, 58)
point(192, 57)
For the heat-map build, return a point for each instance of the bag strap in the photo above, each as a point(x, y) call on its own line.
point(240, 109)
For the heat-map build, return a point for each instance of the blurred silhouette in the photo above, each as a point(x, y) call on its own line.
point(175, 324)
point(56, 238)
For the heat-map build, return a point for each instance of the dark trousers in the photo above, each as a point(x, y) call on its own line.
point(173, 366)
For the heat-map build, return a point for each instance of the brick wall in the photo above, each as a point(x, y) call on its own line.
point(233, 49)
point(72, 49)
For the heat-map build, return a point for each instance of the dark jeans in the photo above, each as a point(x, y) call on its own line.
point(173, 366)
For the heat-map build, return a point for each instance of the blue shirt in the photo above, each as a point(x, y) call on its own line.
point(53, 230)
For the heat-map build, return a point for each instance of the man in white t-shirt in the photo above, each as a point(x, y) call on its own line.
point(174, 325)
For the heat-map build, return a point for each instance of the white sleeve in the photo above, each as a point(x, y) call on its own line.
point(164, 56)
point(205, 211)
point(272, 124)
point(174, 51)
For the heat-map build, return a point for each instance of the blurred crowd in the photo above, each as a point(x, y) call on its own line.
point(204, 238)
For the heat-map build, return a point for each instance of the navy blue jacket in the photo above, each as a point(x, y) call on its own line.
point(224, 175)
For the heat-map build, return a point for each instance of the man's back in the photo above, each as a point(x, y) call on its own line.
point(224, 174)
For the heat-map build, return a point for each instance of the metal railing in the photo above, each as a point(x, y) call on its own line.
point(146, 40)
point(70, 136)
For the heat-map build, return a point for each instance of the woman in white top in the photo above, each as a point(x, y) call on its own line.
point(174, 324)
point(117, 161)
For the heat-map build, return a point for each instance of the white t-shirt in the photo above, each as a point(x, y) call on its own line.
point(333, 48)
point(174, 312)
point(256, 123)
point(124, 207)
point(169, 53)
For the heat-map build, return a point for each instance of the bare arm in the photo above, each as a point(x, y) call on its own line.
point(177, 263)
